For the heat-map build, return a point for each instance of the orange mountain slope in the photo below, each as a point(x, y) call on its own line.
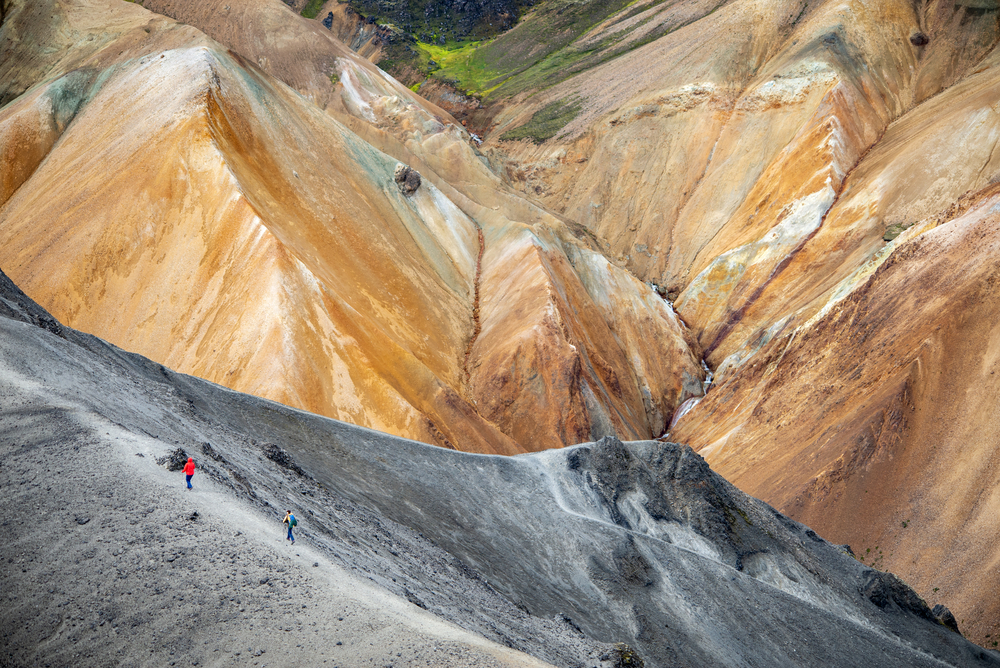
point(716, 161)
point(757, 162)
point(877, 422)
point(222, 224)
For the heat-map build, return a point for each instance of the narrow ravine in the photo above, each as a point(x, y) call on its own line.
point(476, 326)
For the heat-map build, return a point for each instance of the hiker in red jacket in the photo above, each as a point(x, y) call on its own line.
point(189, 470)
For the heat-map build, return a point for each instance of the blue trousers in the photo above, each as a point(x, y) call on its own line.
point(290, 536)
point(189, 482)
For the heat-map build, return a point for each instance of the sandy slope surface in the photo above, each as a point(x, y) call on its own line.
point(111, 560)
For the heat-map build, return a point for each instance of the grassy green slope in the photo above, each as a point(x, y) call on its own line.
point(540, 50)
point(560, 38)
point(553, 41)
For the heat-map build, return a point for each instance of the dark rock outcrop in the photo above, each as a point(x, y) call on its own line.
point(16, 305)
point(886, 591)
point(174, 460)
point(407, 179)
point(945, 618)
point(281, 458)
point(435, 19)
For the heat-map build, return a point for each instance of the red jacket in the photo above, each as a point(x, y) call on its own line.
point(189, 467)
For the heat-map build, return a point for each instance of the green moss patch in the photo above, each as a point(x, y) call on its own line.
point(546, 122)
point(541, 50)
point(312, 9)
point(894, 230)
point(458, 62)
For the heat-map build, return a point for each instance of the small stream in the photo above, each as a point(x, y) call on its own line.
point(709, 377)
point(689, 404)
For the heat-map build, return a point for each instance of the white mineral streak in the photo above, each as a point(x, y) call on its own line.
point(717, 446)
point(804, 217)
point(750, 348)
point(446, 228)
point(356, 98)
point(861, 275)
point(583, 501)
point(684, 409)
point(790, 87)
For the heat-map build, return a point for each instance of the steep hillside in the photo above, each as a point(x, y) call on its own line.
point(809, 184)
point(876, 421)
point(233, 230)
point(578, 548)
point(118, 564)
point(756, 163)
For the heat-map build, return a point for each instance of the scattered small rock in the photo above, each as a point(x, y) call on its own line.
point(412, 598)
point(281, 458)
point(623, 656)
point(193, 516)
point(894, 230)
point(407, 179)
point(919, 39)
point(565, 619)
point(209, 451)
point(81, 520)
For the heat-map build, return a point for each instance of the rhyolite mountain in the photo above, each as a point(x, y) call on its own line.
point(237, 232)
point(810, 185)
point(577, 548)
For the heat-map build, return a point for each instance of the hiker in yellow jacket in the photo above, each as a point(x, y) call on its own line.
point(291, 522)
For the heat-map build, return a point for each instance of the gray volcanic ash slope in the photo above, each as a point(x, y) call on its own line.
point(108, 560)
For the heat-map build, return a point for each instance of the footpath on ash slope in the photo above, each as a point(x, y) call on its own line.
point(408, 554)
